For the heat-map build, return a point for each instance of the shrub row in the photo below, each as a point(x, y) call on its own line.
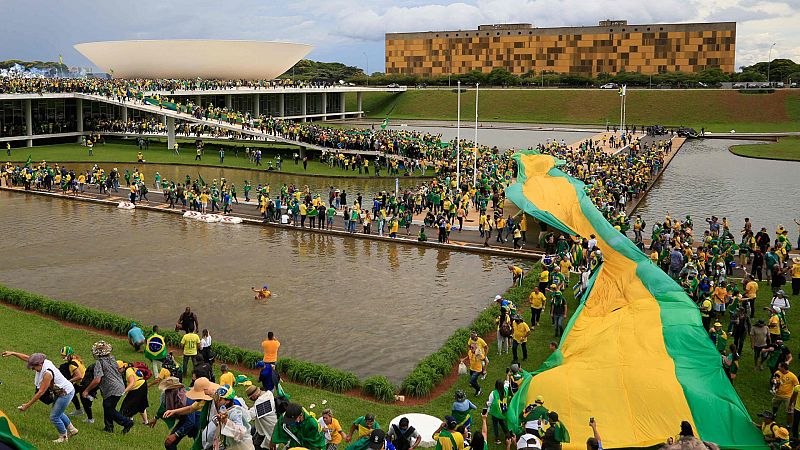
point(431, 370)
point(378, 387)
point(316, 375)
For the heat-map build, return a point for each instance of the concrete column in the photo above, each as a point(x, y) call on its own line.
point(304, 111)
point(359, 99)
point(256, 105)
point(28, 121)
point(281, 104)
point(124, 113)
point(197, 99)
point(164, 119)
point(79, 113)
point(170, 132)
point(324, 105)
point(228, 101)
point(342, 108)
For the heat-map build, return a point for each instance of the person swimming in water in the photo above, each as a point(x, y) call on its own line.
point(262, 294)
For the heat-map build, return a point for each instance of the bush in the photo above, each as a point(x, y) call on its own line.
point(317, 375)
point(378, 387)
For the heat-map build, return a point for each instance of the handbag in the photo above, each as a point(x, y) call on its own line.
point(462, 368)
point(52, 393)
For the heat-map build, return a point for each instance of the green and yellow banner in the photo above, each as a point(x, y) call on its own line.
point(635, 355)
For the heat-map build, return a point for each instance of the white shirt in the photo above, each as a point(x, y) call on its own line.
point(58, 379)
point(591, 244)
point(265, 425)
point(205, 342)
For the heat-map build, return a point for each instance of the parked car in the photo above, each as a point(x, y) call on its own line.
point(394, 85)
point(739, 85)
point(687, 132)
point(794, 84)
point(610, 86)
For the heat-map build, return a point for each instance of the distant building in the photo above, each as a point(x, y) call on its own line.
point(610, 47)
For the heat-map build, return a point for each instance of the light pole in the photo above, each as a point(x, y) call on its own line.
point(769, 61)
point(475, 160)
point(367, 57)
point(458, 139)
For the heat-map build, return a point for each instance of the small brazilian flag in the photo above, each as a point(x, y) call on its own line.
point(28, 162)
point(202, 181)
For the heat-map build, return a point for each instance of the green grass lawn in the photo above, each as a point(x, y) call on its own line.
point(126, 151)
point(716, 110)
point(787, 148)
point(30, 333)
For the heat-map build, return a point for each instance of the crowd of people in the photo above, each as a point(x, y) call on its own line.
point(87, 85)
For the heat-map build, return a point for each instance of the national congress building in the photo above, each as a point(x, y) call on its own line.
point(610, 47)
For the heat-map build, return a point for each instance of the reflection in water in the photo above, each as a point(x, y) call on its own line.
point(706, 179)
point(328, 292)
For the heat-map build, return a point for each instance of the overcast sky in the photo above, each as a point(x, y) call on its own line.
point(352, 31)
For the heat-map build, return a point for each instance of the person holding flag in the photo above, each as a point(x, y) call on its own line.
point(297, 428)
point(385, 123)
point(155, 349)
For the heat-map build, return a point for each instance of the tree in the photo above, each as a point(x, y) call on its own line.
point(749, 75)
point(501, 77)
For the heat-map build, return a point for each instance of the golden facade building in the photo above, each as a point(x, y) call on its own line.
point(611, 47)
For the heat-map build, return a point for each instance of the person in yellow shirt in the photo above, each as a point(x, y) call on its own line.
point(784, 382)
point(226, 377)
point(332, 429)
point(521, 333)
point(720, 299)
point(135, 400)
point(566, 266)
point(190, 342)
point(475, 339)
point(516, 274)
point(750, 293)
point(544, 279)
point(537, 301)
point(476, 362)
point(795, 270)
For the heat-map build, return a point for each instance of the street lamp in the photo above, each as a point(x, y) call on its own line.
point(769, 61)
point(367, 57)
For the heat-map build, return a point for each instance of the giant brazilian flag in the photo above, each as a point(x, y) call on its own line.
point(634, 355)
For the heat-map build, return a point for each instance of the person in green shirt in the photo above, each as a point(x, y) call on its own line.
point(297, 428)
point(330, 214)
point(498, 405)
point(422, 236)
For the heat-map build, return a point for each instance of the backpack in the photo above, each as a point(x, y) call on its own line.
point(142, 370)
point(505, 329)
point(173, 368)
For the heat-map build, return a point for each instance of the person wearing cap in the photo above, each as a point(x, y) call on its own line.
point(720, 297)
point(558, 312)
point(780, 300)
point(775, 323)
point(446, 436)
point(403, 436)
point(297, 428)
point(334, 435)
point(529, 439)
point(461, 409)
point(795, 272)
point(774, 434)
point(173, 396)
point(556, 434)
point(106, 377)
point(718, 336)
point(536, 411)
point(521, 332)
point(263, 413)
point(231, 428)
point(362, 426)
point(74, 370)
point(49, 382)
point(135, 337)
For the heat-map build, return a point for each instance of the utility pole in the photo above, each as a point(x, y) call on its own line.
point(769, 62)
point(475, 160)
point(458, 139)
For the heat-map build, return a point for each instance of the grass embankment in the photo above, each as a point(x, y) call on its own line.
point(28, 333)
point(716, 110)
point(126, 152)
point(787, 149)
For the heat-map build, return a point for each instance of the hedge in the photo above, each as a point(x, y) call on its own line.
point(419, 383)
point(310, 374)
point(431, 370)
